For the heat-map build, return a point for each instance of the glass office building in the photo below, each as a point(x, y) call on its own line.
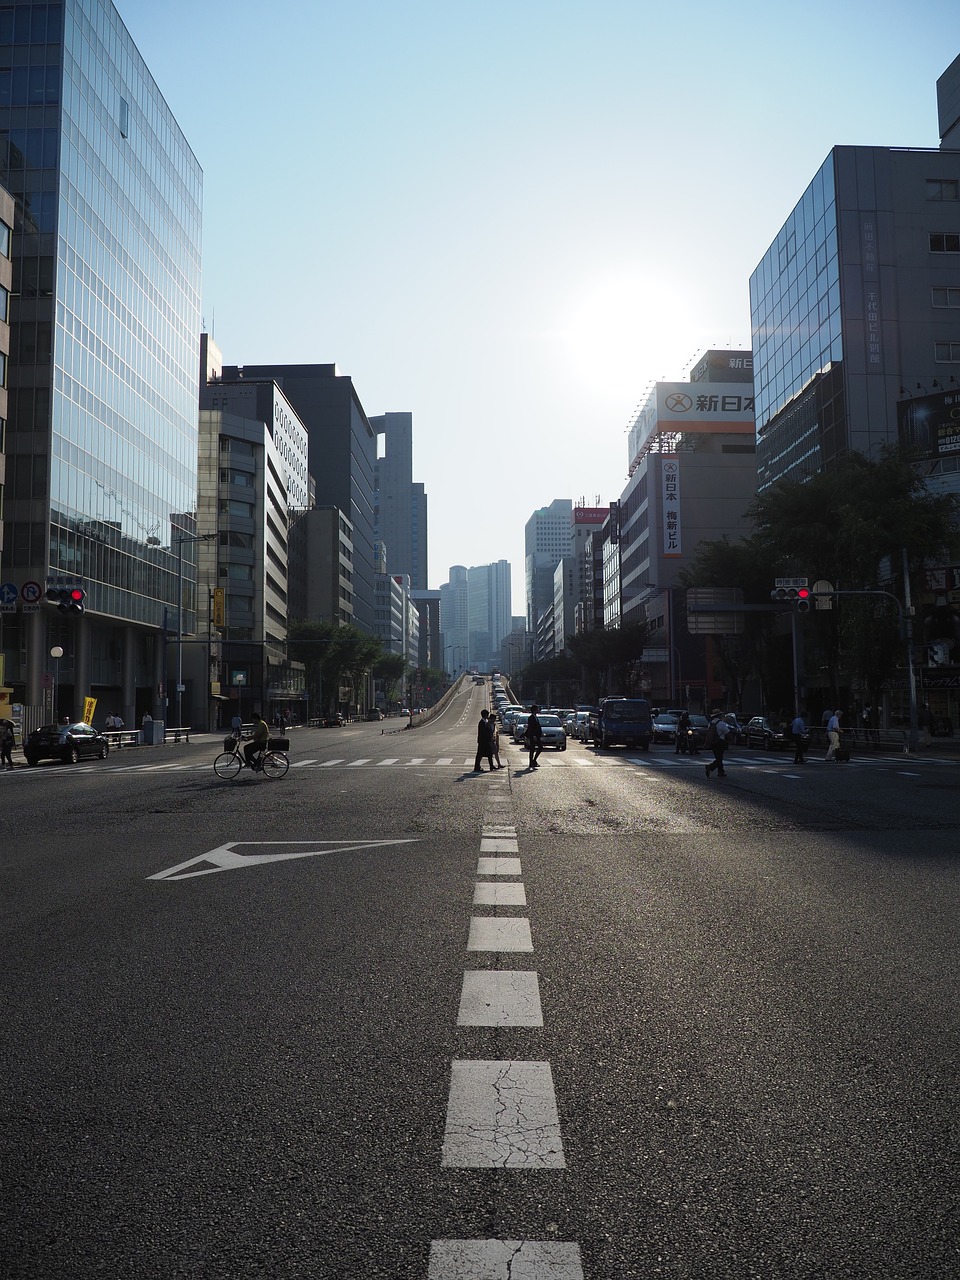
point(102, 433)
point(854, 307)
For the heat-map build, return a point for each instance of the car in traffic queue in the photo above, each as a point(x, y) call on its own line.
point(665, 726)
point(554, 734)
point(622, 722)
point(737, 729)
point(67, 742)
point(518, 725)
point(583, 733)
point(771, 735)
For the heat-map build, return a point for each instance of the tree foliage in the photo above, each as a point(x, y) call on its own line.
point(331, 655)
point(849, 527)
point(610, 659)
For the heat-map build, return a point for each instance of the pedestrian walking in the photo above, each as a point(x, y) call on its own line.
point(533, 736)
point(7, 740)
point(798, 731)
point(716, 739)
point(683, 734)
point(833, 733)
point(495, 739)
point(484, 742)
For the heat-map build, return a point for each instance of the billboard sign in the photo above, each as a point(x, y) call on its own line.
point(931, 424)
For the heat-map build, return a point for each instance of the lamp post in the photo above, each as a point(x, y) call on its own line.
point(180, 539)
point(56, 653)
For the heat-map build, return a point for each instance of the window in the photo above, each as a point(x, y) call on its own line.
point(946, 352)
point(943, 189)
point(944, 296)
point(944, 243)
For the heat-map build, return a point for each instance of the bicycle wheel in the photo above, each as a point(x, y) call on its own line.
point(227, 765)
point(275, 764)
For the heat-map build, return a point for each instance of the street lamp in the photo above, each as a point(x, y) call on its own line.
point(56, 653)
point(180, 539)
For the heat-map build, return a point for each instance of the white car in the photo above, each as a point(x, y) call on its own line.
point(518, 725)
point(554, 734)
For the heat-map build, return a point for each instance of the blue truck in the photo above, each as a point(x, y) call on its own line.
point(622, 722)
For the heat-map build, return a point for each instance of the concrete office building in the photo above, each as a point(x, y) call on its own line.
point(855, 307)
point(101, 439)
point(242, 521)
point(429, 655)
point(692, 463)
point(325, 538)
point(401, 504)
point(342, 457)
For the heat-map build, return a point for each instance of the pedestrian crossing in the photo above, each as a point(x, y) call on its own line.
point(648, 762)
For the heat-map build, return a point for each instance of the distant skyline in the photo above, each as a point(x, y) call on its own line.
point(509, 220)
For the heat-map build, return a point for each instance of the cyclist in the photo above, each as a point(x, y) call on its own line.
point(258, 743)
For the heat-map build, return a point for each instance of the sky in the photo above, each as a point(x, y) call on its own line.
point(509, 219)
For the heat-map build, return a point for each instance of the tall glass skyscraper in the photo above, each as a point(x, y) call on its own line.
point(102, 434)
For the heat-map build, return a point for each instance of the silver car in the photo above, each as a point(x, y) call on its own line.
point(553, 731)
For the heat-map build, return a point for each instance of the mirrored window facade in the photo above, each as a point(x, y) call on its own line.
point(797, 346)
point(105, 308)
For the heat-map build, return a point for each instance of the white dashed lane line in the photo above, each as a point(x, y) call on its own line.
point(501, 1114)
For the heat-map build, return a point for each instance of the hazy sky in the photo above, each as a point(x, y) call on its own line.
point(510, 218)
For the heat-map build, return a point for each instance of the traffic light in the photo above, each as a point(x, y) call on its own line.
point(67, 599)
point(798, 596)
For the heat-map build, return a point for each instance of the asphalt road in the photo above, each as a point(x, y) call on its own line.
point(263, 1028)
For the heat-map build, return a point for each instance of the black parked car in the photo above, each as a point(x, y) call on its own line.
point(769, 734)
point(66, 742)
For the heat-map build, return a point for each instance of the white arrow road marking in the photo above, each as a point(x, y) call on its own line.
point(225, 859)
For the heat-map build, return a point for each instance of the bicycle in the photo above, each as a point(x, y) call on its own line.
point(274, 764)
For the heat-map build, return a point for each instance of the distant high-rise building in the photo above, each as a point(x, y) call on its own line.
point(548, 537)
point(475, 615)
point(401, 504)
point(101, 442)
point(488, 612)
point(455, 621)
point(342, 456)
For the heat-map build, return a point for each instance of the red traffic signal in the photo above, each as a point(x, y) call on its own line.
point(803, 600)
point(67, 599)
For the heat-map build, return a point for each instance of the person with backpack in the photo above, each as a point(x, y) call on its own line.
point(716, 741)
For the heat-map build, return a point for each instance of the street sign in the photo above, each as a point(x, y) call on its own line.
point(823, 594)
point(31, 592)
point(790, 582)
point(9, 593)
point(714, 611)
